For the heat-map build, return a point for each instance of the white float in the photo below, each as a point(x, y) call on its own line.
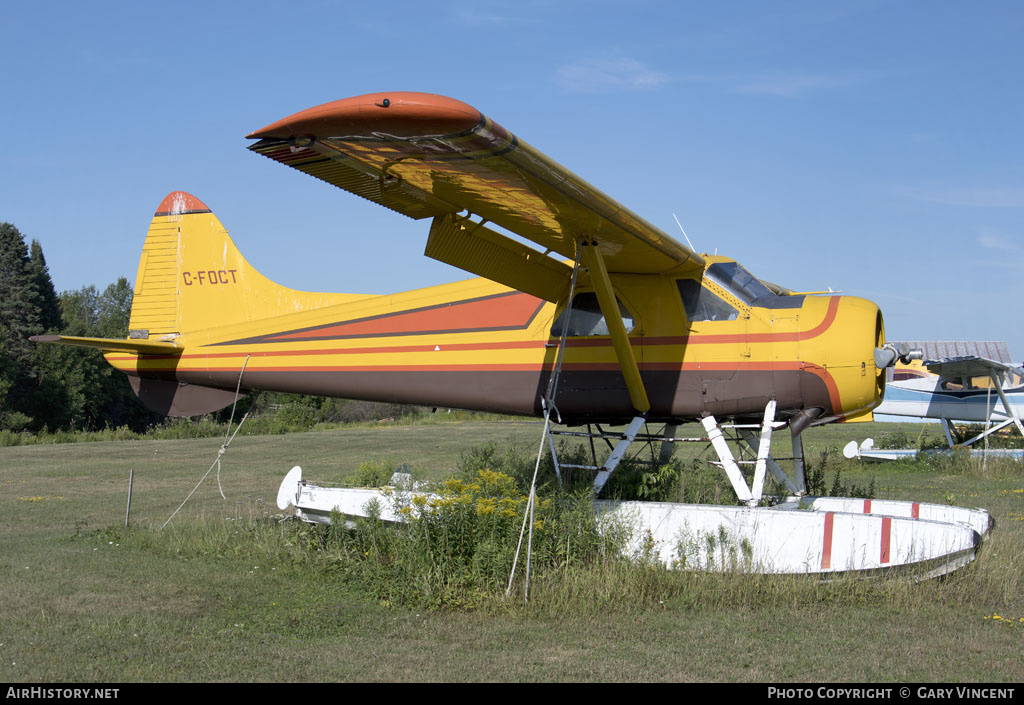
point(818, 535)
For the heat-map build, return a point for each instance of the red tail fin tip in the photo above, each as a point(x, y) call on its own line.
point(181, 203)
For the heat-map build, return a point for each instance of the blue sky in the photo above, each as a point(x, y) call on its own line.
point(872, 147)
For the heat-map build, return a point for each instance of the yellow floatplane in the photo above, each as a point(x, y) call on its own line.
point(583, 313)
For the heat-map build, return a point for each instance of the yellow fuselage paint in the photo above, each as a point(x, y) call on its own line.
point(196, 290)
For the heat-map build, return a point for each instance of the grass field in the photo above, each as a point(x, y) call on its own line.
point(86, 600)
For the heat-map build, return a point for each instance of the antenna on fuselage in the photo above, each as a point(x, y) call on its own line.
point(684, 233)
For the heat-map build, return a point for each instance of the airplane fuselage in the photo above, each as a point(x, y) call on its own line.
point(925, 397)
point(700, 347)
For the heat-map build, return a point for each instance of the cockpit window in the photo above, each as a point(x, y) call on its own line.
point(587, 319)
point(702, 304)
point(732, 277)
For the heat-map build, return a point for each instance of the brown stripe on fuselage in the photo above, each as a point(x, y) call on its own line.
point(583, 395)
point(782, 381)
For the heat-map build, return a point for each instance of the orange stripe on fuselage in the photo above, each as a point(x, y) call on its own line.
point(649, 342)
point(520, 306)
point(790, 337)
point(510, 345)
point(504, 311)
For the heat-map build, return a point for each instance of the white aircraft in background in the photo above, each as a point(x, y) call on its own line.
point(977, 384)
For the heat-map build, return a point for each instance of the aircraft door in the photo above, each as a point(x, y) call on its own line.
point(783, 325)
point(591, 383)
point(712, 371)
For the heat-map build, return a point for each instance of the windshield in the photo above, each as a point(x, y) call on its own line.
point(738, 281)
point(702, 304)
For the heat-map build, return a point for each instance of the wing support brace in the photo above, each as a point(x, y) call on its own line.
point(590, 257)
point(1011, 413)
point(1006, 402)
point(592, 260)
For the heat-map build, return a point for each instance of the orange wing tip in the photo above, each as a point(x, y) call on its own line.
point(181, 203)
point(401, 114)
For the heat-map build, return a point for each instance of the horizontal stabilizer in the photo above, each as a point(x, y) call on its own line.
point(123, 345)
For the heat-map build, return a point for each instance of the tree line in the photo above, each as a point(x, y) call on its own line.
point(55, 387)
point(60, 388)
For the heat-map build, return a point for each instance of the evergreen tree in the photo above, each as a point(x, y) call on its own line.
point(8, 376)
point(19, 299)
point(50, 318)
point(54, 386)
point(20, 316)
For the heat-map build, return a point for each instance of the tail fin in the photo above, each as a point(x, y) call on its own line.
point(192, 278)
point(192, 282)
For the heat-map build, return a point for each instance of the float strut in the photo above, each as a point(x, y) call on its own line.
point(732, 470)
point(617, 454)
point(763, 449)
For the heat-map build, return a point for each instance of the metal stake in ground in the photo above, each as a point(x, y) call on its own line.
point(128, 511)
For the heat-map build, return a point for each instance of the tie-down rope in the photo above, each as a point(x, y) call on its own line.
point(223, 447)
point(548, 403)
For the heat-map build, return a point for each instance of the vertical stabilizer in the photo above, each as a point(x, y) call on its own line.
point(192, 278)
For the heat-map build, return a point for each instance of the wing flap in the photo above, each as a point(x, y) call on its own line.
point(477, 249)
point(432, 155)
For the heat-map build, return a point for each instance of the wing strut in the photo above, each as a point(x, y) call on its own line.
point(592, 259)
point(1010, 411)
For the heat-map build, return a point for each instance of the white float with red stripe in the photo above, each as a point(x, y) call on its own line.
point(787, 539)
point(821, 535)
point(977, 519)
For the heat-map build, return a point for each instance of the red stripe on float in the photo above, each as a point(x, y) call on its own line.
point(826, 544)
point(867, 506)
point(886, 538)
point(915, 510)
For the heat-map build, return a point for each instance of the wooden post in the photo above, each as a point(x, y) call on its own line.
point(128, 511)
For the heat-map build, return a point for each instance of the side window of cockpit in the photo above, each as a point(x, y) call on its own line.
point(587, 319)
point(702, 304)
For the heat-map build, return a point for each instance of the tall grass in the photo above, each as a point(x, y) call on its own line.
point(457, 545)
point(459, 558)
point(289, 419)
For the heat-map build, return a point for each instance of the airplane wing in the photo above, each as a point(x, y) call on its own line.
point(425, 155)
point(969, 366)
